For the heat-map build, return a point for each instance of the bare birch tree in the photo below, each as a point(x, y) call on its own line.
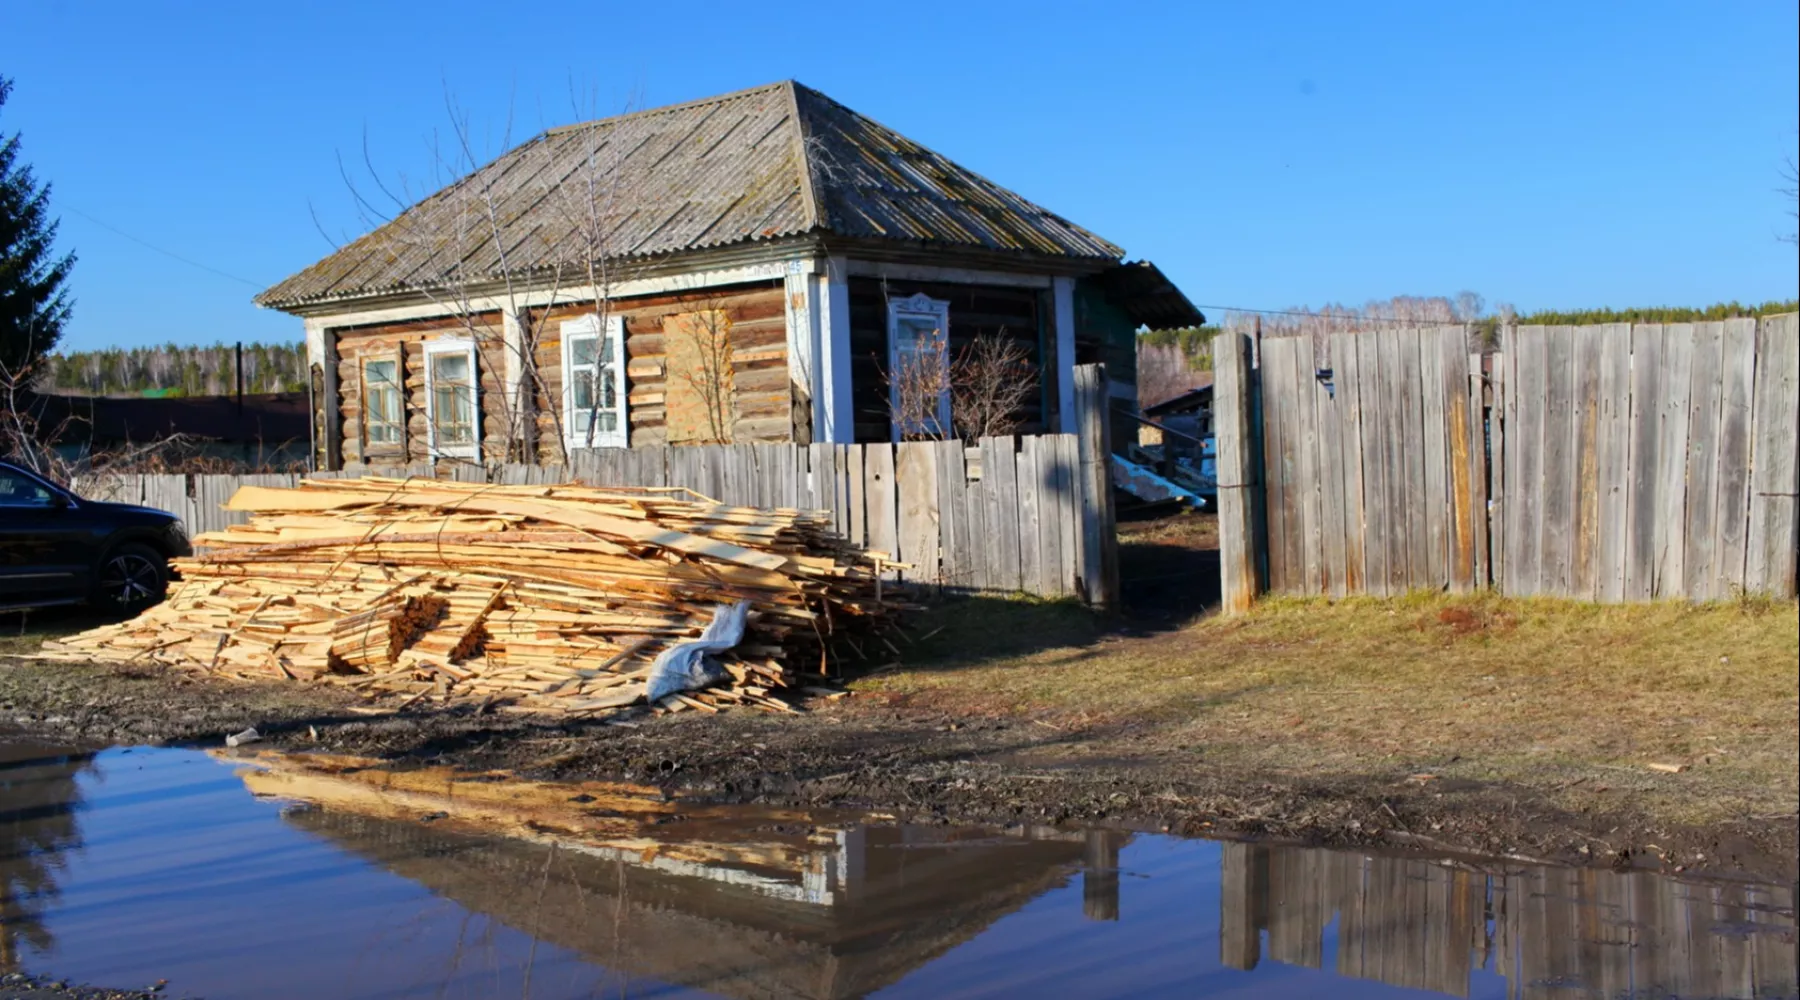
point(470, 261)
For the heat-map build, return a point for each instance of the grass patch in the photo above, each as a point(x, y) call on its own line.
point(1553, 694)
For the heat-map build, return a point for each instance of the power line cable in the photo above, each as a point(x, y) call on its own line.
point(151, 246)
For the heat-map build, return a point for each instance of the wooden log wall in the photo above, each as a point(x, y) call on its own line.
point(405, 342)
point(1606, 463)
point(1008, 515)
point(1421, 925)
point(974, 310)
point(761, 395)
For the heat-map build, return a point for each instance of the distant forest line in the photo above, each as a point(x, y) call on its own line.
point(174, 370)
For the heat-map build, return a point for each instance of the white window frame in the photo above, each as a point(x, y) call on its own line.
point(936, 311)
point(398, 387)
point(589, 326)
point(472, 450)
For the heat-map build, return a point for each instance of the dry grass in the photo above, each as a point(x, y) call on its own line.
point(22, 632)
point(1571, 699)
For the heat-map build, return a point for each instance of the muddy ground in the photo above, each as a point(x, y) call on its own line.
point(918, 762)
point(919, 757)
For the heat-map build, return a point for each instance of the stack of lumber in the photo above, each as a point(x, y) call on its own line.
point(527, 598)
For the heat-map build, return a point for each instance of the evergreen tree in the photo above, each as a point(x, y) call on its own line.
point(34, 305)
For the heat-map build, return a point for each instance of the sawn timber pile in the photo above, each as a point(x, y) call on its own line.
point(528, 598)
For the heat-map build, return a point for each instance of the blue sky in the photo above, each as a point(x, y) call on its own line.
point(1266, 155)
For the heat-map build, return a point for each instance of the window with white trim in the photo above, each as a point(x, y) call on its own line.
point(594, 382)
point(452, 404)
point(383, 422)
point(919, 367)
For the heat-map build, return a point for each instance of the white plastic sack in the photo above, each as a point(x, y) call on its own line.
point(689, 665)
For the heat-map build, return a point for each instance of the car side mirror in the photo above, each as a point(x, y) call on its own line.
point(60, 501)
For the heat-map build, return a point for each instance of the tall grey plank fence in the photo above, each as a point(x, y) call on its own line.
point(1609, 463)
point(1005, 515)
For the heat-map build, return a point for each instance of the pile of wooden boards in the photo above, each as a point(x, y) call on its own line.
point(525, 598)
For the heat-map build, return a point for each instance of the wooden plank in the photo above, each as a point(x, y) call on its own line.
point(1237, 468)
point(1275, 376)
point(879, 498)
point(1644, 460)
point(1525, 489)
point(1769, 563)
point(1030, 489)
point(1585, 415)
point(1069, 466)
point(1401, 512)
point(1099, 571)
point(1737, 383)
point(1614, 458)
point(1328, 445)
point(1705, 403)
point(1669, 517)
point(1377, 535)
point(1412, 435)
point(999, 466)
point(1346, 365)
point(1433, 443)
point(853, 458)
point(915, 477)
point(1050, 511)
point(1307, 467)
point(947, 457)
point(1459, 468)
point(1499, 384)
point(821, 460)
point(1557, 513)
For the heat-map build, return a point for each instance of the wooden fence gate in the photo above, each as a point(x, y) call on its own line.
point(1609, 463)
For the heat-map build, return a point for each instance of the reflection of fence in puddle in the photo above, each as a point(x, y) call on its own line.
point(1552, 932)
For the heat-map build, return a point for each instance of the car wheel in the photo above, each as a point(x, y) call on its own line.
point(132, 578)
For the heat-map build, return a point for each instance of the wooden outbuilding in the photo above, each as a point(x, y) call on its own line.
point(745, 268)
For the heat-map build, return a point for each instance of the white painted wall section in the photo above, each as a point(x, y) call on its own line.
point(802, 334)
point(834, 418)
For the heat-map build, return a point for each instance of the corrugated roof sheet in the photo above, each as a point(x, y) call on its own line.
point(774, 161)
point(1149, 297)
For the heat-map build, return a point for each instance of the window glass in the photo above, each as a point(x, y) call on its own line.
point(381, 408)
point(593, 396)
point(23, 491)
point(452, 399)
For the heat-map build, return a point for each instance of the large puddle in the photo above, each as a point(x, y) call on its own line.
point(235, 879)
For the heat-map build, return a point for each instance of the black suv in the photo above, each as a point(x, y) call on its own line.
point(57, 548)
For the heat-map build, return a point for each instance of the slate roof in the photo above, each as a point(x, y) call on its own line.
point(770, 162)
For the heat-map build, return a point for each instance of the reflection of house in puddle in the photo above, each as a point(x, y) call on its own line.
point(1552, 932)
point(744, 903)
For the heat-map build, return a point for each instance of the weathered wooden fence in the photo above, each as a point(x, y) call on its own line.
point(1426, 925)
point(1610, 463)
point(1007, 515)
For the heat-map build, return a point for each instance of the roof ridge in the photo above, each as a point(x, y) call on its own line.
point(666, 108)
point(809, 188)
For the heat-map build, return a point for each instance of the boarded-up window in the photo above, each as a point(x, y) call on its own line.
point(698, 394)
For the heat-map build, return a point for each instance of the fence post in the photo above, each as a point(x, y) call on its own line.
point(1100, 540)
point(1237, 475)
